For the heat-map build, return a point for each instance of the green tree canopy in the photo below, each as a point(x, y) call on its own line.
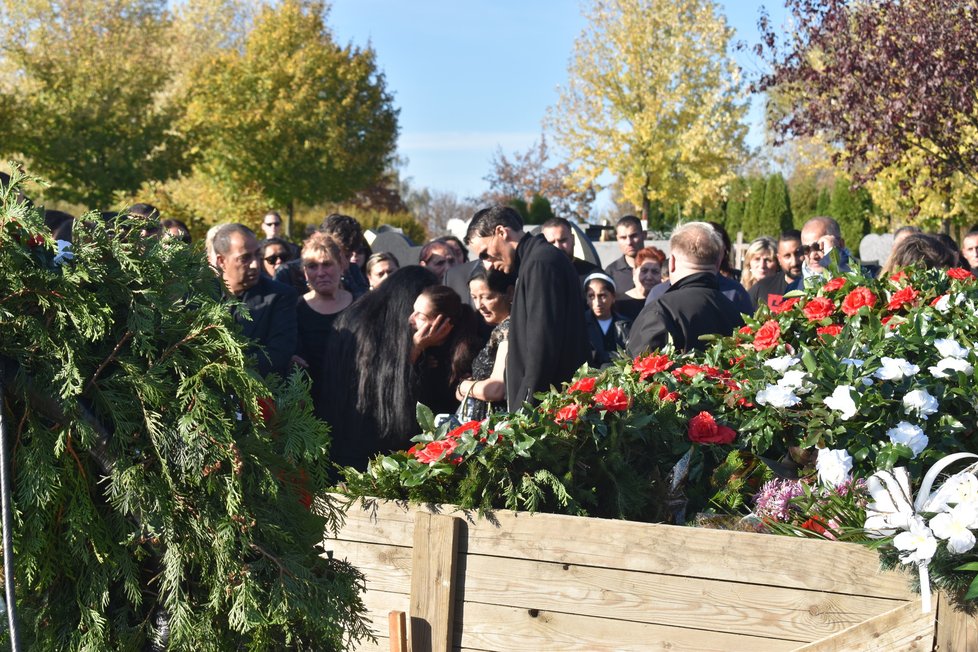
point(85, 89)
point(654, 99)
point(851, 208)
point(775, 215)
point(292, 113)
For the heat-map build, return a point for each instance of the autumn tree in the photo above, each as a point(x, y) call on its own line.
point(654, 99)
point(531, 174)
point(883, 79)
point(84, 88)
point(293, 113)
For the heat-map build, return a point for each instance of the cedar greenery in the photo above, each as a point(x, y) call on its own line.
point(158, 491)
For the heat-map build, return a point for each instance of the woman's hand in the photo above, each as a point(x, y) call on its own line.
point(431, 334)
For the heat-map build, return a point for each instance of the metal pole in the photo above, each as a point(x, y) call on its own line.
point(8, 533)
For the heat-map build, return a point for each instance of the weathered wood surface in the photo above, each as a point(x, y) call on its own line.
point(956, 631)
point(548, 582)
point(903, 629)
point(433, 581)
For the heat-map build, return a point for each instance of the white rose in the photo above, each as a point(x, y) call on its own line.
point(841, 400)
point(942, 368)
point(782, 363)
point(920, 402)
point(910, 435)
point(833, 466)
point(950, 349)
point(895, 369)
point(795, 380)
point(777, 396)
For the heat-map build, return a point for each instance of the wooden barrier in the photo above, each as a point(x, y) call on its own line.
point(518, 581)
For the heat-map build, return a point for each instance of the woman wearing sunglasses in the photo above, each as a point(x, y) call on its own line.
point(274, 253)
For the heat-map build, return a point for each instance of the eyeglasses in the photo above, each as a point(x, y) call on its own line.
point(274, 259)
point(273, 224)
point(814, 247)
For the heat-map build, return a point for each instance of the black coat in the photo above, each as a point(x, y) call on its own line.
point(547, 342)
point(271, 306)
point(692, 307)
point(604, 346)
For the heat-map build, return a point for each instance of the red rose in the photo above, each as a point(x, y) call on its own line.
point(903, 297)
point(666, 396)
point(567, 414)
point(583, 385)
point(434, 451)
point(834, 284)
point(857, 299)
point(266, 406)
point(819, 308)
point(704, 429)
point(937, 299)
point(693, 370)
point(779, 307)
point(960, 274)
point(35, 241)
point(471, 426)
point(612, 400)
point(814, 524)
point(745, 330)
point(899, 276)
point(831, 329)
point(767, 336)
point(650, 365)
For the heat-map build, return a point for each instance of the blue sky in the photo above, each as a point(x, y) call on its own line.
point(470, 76)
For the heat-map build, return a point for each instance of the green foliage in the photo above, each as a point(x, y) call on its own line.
point(539, 210)
point(88, 109)
point(156, 480)
point(804, 195)
point(752, 210)
point(733, 219)
point(775, 216)
point(520, 206)
point(851, 209)
point(823, 205)
point(292, 113)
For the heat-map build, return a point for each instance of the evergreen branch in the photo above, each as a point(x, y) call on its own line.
point(108, 360)
point(173, 347)
point(81, 469)
point(281, 568)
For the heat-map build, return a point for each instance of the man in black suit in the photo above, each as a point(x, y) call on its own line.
point(547, 339)
point(269, 304)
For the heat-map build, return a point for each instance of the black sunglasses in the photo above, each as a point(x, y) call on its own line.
point(274, 259)
point(273, 224)
point(807, 249)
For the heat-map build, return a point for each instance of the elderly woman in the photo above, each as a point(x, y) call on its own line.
point(607, 330)
point(379, 266)
point(760, 261)
point(492, 297)
point(322, 265)
point(649, 265)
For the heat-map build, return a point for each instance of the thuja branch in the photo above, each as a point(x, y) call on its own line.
point(108, 360)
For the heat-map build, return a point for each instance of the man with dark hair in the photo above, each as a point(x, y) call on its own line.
point(547, 339)
point(770, 291)
point(558, 232)
point(693, 305)
point(271, 225)
point(631, 237)
point(270, 305)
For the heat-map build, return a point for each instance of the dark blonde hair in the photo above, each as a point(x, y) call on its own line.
point(323, 243)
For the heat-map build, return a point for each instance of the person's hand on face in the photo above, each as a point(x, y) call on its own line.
point(432, 333)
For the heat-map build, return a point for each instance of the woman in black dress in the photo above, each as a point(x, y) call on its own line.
point(492, 297)
point(322, 265)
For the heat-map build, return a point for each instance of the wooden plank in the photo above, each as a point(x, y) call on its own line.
point(508, 629)
point(433, 581)
point(386, 568)
point(681, 551)
point(903, 629)
point(956, 630)
point(379, 604)
point(772, 612)
point(397, 623)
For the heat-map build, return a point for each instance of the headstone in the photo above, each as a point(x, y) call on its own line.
point(875, 248)
point(396, 243)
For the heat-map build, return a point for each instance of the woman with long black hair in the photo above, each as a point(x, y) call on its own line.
point(368, 389)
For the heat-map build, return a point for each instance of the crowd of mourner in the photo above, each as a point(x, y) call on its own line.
point(485, 324)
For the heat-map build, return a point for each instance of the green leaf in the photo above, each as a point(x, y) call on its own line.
point(426, 418)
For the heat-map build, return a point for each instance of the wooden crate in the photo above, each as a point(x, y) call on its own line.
point(540, 582)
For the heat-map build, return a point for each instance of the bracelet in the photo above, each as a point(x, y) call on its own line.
point(472, 388)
